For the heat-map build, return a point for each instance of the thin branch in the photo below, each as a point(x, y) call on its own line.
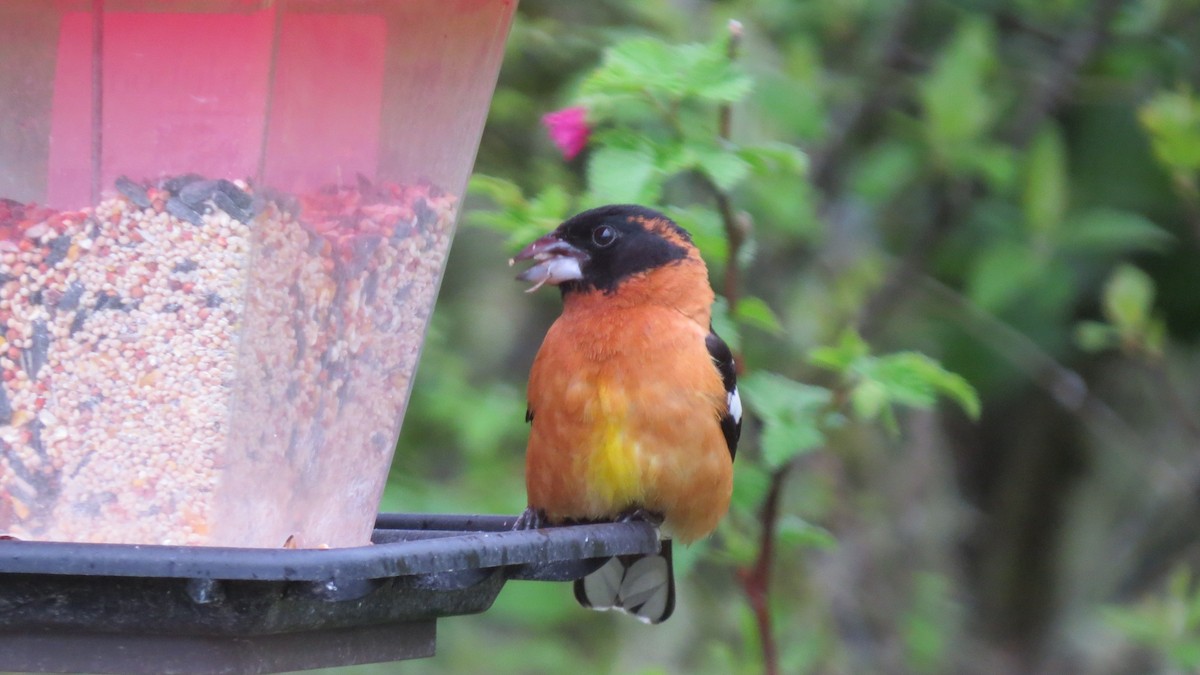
point(756, 580)
point(736, 229)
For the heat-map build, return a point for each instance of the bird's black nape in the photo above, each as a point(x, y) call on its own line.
point(620, 242)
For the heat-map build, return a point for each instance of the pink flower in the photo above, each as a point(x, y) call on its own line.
point(568, 129)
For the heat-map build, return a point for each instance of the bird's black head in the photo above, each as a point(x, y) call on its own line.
point(597, 249)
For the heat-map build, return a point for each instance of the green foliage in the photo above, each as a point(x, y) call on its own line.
point(771, 158)
point(1045, 191)
point(1128, 297)
point(928, 623)
point(650, 71)
point(655, 104)
point(1129, 310)
point(623, 175)
point(793, 415)
point(886, 170)
point(521, 220)
point(795, 532)
point(1002, 274)
point(1173, 120)
point(1108, 231)
point(1169, 625)
point(752, 311)
point(960, 107)
point(875, 384)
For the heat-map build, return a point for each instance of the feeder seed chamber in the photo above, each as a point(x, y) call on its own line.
point(222, 228)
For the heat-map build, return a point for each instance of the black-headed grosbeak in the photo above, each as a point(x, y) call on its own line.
point(633, 400)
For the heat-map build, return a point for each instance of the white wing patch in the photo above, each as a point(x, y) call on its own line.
point(734, 401)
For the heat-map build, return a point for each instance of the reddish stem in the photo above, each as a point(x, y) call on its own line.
point(756, 580)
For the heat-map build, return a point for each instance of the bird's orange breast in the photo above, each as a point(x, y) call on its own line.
point(626, 405)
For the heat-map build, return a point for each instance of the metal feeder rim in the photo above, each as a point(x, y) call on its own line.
point(463, 542)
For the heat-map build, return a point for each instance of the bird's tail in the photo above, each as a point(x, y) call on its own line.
point(642, 586)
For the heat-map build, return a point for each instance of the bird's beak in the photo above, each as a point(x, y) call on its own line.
point(557, 261)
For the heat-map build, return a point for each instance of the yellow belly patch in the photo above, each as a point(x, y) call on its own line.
point(615, 476)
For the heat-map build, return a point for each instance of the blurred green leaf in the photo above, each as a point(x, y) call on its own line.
point(905, 378)
point(849, 349)
point(1128, 297)
point(1137, 626)
point(1186, 654)
point(750, 484)
point(622, 175)
point(994, 162)
point(1105, 230)
point(916, 380)
point(1142, 18)
point(550, 206)
point(794, 531)
point(704, 224)
point(1002, 272)
point(1094, 336)
point(1173, 120)
point(868, 398)
point(505, 193)
point(724, 168)
point(1045, 191)
point(885, 170)
point(724, 325)
point(521, 220)
point(958, 108)
point(1169, 623)
point(752, 311)
point(774, 157)
point(790, 411)
point(926, 624)
point(641, 67)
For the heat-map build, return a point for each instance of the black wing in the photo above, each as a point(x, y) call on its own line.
point(731, 420)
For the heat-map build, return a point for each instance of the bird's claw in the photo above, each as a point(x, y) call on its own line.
point(641, 515)
point(530, 519)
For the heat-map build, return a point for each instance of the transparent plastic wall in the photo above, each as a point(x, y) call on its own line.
point(222, 229)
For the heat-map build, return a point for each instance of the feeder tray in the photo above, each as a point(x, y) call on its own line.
point(118, 608)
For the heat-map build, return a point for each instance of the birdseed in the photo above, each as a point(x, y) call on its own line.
point(195, 362)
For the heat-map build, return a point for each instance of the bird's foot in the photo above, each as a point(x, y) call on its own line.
point(640, 514)
point(530, 519)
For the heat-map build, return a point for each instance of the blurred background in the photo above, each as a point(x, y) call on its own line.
point(965, 290)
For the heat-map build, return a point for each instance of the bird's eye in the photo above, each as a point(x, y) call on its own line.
point(604, 236)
